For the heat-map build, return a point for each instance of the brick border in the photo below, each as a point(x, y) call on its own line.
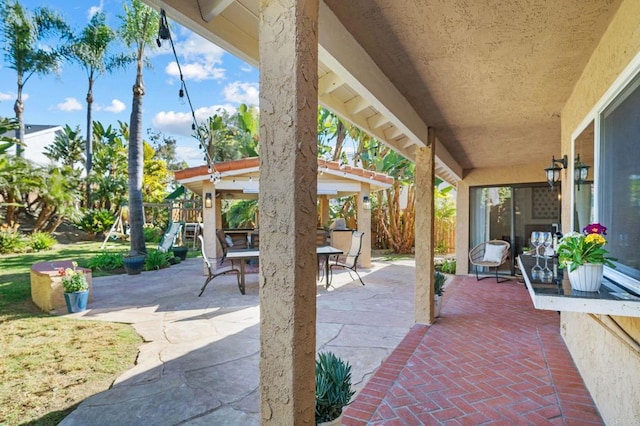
point(363, 408)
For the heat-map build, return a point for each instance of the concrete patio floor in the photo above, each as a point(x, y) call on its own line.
point(490, 359)
point(199, 362)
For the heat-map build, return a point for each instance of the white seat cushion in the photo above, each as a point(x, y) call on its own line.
point(493, 253)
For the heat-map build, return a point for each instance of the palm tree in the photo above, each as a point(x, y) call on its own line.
point(25, 52)
point(91, 49)
point(109, 177)
point(58, 197)
point(229, 137)
point(66, 147)
point(330, 127)
point(138, 30)
point(6, 142)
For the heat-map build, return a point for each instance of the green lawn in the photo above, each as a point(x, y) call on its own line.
point(49, 364)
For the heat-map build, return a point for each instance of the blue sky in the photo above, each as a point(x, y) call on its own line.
point(214, 78)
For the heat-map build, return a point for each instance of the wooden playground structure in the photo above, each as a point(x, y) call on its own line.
point(176, 211)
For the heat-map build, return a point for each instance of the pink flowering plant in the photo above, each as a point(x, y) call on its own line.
point(576, 249)
point(72, 279)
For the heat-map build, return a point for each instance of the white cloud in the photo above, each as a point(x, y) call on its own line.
point(195, 71)
point(11, 96)
point(242, 93)
point(198, 59)
point(115, 107)
point(179, 123)
point(191, 154)
point(247, 68)
point(69, 104)
point(95, 9)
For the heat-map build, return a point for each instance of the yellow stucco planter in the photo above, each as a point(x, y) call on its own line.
point(46, 284)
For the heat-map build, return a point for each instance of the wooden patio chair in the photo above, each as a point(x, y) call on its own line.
point(216, 273)
point(489, 254)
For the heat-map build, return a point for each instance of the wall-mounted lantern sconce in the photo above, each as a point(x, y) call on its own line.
point(208, 200)
point(581, 171)
point(366, 202)
point(553, 171)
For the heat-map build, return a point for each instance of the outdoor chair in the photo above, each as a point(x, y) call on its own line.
point(351, 260)
point(216, 273)
point(489, 254)
point(227, 243)
point(322, 237)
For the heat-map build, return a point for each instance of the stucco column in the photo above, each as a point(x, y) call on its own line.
point(462, 228)
point(288, 37)
point(324, 210)
point(364, 225)
point(425, 174)
point(209, 222)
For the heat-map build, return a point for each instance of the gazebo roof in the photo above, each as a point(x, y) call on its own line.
point(239, 178)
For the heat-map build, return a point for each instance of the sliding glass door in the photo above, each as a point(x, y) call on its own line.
point(511, 213)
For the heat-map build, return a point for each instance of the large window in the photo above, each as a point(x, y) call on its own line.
point(618, 179)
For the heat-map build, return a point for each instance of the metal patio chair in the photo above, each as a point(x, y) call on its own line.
point(216, 273)
point(351, 260)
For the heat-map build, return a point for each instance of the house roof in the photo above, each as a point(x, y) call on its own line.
point(239, 178)
point(31, 130)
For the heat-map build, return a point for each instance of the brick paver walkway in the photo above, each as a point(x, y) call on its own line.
point(490, 359)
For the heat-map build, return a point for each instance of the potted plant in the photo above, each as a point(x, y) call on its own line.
point(180, 251)
point(438, 284)
point(333, 387)
point(584, 256)
point(76, 288)
point(133, 262)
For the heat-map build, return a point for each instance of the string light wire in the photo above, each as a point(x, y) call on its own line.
point(165, 34)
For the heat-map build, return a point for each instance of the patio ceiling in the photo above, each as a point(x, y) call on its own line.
point(490, 77)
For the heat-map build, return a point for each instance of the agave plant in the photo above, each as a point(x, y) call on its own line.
point(333, 386)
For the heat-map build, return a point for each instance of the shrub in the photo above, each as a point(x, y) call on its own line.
point(333, 386)
point(156, 259)
point(439, 280)
point(106, 261)
point(95, 221)
point(152, 234)
point(12, 241)
point(73, 280)
point(41, 241)
point(448, 266)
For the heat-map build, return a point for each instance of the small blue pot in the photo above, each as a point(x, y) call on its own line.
point(76, 301)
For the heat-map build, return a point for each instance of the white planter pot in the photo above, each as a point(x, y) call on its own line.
point(587, 277)
point(437, 304)
point(335, 422)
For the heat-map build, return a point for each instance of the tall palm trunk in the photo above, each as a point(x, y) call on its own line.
point(18, 108)
point(89, 153)
point(89, 145)
point(341, 134)
point(135, 167)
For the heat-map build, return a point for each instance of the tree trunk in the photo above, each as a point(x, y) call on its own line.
point(89, 143)
point(18, 108)
point(54, 225)
point(341, 133)
point(135, 168)
point(43, 217)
